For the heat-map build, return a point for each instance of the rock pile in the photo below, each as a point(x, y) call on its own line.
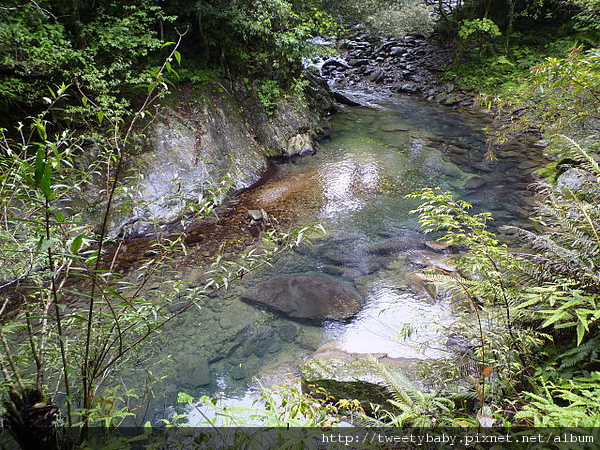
point(410, 65)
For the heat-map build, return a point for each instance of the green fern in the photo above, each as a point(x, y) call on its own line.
point(585, 353)
point(411, 406)
point(570, 403)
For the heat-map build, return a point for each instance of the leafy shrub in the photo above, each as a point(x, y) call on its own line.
point(269, 93)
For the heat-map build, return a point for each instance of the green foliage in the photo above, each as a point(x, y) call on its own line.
point(587, 19)
point(490, 75)
point(276, 406)
point(118, 43)
point(198, 76)
point(553, 287)
point(82, 319)
point(532, 31)
point(440, 211)
point(106, 48)
point(565, 92)
point(33, 48)
point(72, 349)
point(385, 18)
point(410, 405)
point(104, 56)
point(564, 278)
point(570, 403)
point(479, 35)
point(264, 38)
point(489, 283)
point(478, 27)
point(269, 93)
point(519, 15)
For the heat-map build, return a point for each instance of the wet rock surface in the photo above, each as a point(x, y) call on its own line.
point(307, 297)
point(385, 257)
point(209, 138)
point(193, 373)
point(574, 179)
point(410, 65)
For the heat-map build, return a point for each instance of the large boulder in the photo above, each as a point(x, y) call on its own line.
point(360, 376)
point(306, 297)
point(300, 144)
point(205, 138)
point(193, 373)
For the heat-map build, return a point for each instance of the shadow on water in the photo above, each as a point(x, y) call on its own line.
point(355, 186)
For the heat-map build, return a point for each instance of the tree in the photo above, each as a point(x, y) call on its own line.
point(102, 48)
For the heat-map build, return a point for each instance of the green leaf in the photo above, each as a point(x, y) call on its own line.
point(182, 397)
point(177, 56)
point(76, 244)
point(41, 129)
point(92, 258)
point(45, 244)
point(40, 165)
point(46, 182)
point(580, 333)
point(556, 316)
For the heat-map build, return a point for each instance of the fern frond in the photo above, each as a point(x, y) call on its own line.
point(587, 351)
point(581, 155)
point(397, 384)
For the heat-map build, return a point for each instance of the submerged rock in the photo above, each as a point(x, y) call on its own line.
point(193, 373)
point(306, 297)
point(395, 245)
point(425, 258)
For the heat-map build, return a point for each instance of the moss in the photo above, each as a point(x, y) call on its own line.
point(345, 379)
point(549, 171)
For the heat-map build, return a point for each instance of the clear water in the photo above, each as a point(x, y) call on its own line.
point(355, 187)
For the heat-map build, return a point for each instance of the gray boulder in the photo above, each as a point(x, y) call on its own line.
point(307, 297)
point(574, 179)
point(300, 144)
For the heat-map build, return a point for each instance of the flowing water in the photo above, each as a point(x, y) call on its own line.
point(355, 186)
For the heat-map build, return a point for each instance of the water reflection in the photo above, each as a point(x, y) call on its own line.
point(395, 323)
point(345, 183)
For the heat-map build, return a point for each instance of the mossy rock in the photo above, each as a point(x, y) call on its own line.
point(357, 375)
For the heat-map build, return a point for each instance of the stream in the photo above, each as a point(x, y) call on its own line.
point(355, 186)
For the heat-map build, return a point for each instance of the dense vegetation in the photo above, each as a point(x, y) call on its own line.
point(76, 73)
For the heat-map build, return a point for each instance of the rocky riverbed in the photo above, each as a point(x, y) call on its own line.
point(411, 65)
point(373, 256)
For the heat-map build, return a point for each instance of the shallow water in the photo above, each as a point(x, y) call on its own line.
point(357, 182)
